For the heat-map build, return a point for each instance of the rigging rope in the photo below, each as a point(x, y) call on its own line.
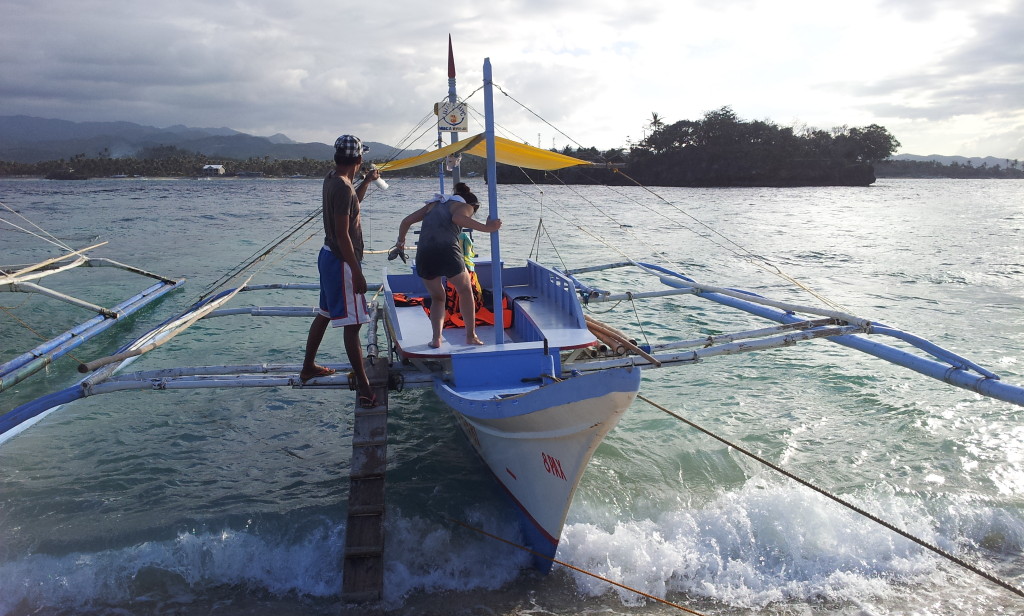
point(739, 250)
point(53, 239)
point(7, 311)
point(260, 255)
point(638, 321)
point(313, 217)
point(574, 568)
point(553, 127)
point(47, 237)
point(535, 246)
point(921, 542)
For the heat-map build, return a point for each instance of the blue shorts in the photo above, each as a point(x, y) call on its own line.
point(337, 300)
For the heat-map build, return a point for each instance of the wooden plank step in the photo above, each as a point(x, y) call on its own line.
point(363, 565)
point(377, 410)
point(363, 550)
point(371, 429)
point(363, 597)
point(363, 578)
point(363, 531)
point(365, 492)
point(368, 462)
point(366, 510)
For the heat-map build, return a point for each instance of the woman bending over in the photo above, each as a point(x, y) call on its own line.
point(439, 254)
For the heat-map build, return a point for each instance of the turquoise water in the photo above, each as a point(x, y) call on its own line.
point(233, 501)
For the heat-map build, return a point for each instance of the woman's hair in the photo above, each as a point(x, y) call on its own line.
point(462, 190)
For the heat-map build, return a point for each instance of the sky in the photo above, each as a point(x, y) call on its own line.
point(943, 76)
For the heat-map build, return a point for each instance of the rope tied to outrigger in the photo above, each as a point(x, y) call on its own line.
point(906, 535)
point(575, 568)
point(730, 244)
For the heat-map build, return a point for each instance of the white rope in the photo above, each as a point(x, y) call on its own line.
point(52, 238)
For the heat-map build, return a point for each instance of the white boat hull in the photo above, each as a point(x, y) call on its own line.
point(538, 444)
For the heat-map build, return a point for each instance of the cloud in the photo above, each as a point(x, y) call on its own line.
point(594, 70)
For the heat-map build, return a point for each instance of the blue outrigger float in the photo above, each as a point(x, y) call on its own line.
point(537, 399)
point(24, 279)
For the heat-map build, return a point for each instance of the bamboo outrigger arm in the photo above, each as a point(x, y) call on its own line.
point(37, 272)
point(22, 274)
point(164, 333)
point(949, 367)
point(29, 287)
point(943, 365)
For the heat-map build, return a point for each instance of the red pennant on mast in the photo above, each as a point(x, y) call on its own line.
point(451, 59)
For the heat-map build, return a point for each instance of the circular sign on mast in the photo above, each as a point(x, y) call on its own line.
point(451, 116)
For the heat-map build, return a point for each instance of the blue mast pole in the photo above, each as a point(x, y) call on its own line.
point(492, 204)
point(440, 144)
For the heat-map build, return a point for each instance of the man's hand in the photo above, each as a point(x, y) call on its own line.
point(358, 282)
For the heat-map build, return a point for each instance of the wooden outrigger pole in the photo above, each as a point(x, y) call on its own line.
point(20, 274)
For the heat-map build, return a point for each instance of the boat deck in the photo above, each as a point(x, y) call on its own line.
point(413, 331)
point(414, 325)
point(545, 314)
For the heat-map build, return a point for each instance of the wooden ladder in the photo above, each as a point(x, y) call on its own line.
point(363, 570)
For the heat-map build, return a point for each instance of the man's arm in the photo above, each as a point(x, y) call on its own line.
point(371, 175)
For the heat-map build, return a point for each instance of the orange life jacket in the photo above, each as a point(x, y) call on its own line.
point(482, 302)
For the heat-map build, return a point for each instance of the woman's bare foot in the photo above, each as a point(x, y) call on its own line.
point(472, 339)
point(435, 344)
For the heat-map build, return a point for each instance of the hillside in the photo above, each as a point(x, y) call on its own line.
point(974, 161)
point(26, 139)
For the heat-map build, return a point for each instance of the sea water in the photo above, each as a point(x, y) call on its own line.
point(234, 501)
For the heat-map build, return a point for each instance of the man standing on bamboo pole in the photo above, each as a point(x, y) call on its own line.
point(342, 285)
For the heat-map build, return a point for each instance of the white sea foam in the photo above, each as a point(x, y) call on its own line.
point(185, 565)
point(421, 556)
point(773, 543)
point(427, 557)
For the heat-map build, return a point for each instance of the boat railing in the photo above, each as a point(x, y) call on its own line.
point(543, 302)
point(558, 289)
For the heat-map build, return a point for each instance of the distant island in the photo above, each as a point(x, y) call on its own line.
point(719, 149)
point(957, 167)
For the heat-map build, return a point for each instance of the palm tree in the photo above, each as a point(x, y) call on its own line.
point(657, 122)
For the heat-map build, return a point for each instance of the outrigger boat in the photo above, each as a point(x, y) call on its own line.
point(536, 400)
point(534, 424)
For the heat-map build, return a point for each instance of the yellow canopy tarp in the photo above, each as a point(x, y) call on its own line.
point(506, 152)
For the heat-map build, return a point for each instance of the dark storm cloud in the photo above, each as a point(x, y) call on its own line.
point(311, 70)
